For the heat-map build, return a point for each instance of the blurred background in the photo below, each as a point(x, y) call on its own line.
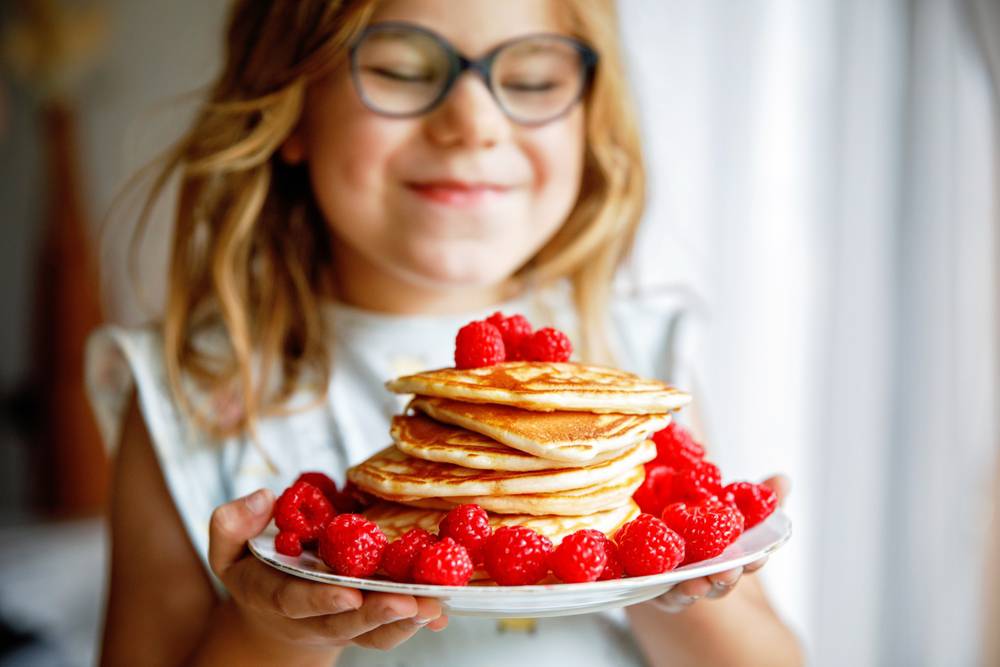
point(824, 172)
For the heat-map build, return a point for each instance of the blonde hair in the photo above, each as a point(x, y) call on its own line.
point(251, 252)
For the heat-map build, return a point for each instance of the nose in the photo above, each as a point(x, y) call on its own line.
point(468, 117)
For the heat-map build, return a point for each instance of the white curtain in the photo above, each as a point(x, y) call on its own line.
point(825, 173)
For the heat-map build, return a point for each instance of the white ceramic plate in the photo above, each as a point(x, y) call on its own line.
point(544, 599)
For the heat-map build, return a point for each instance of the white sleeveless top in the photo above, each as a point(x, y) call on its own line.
point(654, 334)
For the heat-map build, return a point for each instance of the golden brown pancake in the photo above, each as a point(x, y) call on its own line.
point(395, 519)
point(424, 438)
point(573, 502)
point(546, 386)
point(392, 473)
point(558, 435)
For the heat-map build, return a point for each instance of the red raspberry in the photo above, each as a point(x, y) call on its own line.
point(547, 344)
point(707, 527)
point(613, 569)
point(445, 563)
point(580, 557)
point(352, 545)
point(303, 510)
point(469, 525)
point(655, 491)
point(676, 447)
point(478, 344)
point(515, 330)
point(288, 543)
point(517, 556)
point(398, 557)
point(754, 501)
point(647, 545)
point(695, 484)
point(321, 482)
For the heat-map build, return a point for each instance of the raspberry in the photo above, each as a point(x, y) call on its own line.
point(695, 484)
point(398, 557)
point(288, 543)
point(754, 501)
point(514, 330)
point(352, 545)
point(469, 525)
point(655, 491)
point(613, 568)
point(707, 527)
point(547, 344)
point(580, 557)
point(478, 344)
point(676, 447)
point(326, 485)
point(303, 510)
point(517, 556)
point(646, 545)
point(445, 563)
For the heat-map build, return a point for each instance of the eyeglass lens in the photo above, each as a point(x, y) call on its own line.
point(404, 72)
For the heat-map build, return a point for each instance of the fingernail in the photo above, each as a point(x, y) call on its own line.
point(422, 621)
point(257, 502)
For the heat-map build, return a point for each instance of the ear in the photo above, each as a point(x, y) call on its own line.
point(293, 149)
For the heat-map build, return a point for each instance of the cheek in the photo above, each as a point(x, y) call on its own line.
point(556, 152)
point(347, 148)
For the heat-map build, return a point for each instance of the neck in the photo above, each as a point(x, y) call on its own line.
point(359, 283)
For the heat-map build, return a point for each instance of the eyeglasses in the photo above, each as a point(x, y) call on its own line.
point(403, 70)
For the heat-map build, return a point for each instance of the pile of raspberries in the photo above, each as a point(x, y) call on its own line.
point(500, 338)
point(687, 517)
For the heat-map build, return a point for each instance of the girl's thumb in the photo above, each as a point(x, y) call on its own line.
point(233, 524)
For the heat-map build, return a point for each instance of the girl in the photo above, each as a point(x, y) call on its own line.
point(350, 196)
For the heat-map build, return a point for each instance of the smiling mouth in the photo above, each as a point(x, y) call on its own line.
point(457, 192)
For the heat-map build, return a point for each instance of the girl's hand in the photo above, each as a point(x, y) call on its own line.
point(298, 614)
point(718, 585)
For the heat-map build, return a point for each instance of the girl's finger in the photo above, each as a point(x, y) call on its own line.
point(378, 609)
point(750, 568)
point(683, 595)
point(438, 624)
point(264, 588)
point(781, 486)
point(723, 582)
point(389, 636)
point(233, 524)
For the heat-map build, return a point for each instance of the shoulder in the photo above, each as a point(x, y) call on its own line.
point(658, 330)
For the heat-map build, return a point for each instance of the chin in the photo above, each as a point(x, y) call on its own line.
point(448, 268)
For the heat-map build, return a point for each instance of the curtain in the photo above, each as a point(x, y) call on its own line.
point(825, 173)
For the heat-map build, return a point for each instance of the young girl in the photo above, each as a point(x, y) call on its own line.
point(365, 178)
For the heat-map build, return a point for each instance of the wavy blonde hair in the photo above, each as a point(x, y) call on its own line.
point(250, 250)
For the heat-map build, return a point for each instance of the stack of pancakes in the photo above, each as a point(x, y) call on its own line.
point(554, 446)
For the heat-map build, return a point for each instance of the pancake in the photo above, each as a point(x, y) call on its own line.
point(559, 435)
point(574, 502)
point(395, 519)
point(546, 386)
point(392, 473)
point(424, 438)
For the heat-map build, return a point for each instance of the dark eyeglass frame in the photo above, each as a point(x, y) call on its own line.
point(458, 64)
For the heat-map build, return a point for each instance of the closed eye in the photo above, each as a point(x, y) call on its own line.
point(402, 77)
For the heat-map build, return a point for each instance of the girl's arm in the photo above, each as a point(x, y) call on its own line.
point(163, 610)
point(160, 598)
point(740, 630)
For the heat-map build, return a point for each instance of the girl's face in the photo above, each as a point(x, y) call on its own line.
point(461, 196)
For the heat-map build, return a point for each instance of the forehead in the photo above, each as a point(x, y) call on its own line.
point(476, 26)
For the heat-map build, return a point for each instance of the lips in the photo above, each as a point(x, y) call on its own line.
point(457, 192)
